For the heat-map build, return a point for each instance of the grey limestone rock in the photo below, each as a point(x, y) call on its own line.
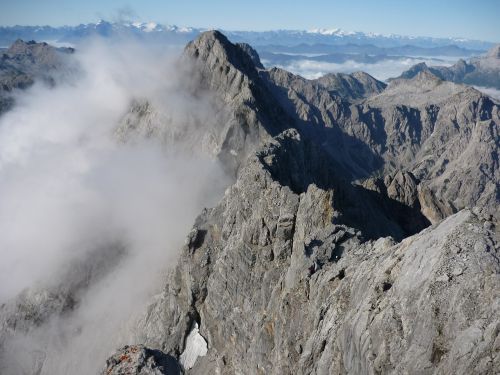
point(278, 284)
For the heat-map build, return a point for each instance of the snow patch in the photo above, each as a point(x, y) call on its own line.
point(196, 346)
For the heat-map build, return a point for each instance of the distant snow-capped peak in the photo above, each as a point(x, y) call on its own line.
point(336, 31)
point(147, 26)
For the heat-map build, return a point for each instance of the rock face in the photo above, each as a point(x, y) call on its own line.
point(282, 277)
point(279, 284)
point(403, 187)
point(481, 71)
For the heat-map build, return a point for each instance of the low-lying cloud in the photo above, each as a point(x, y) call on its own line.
point(81, 210)
point(491, 91)
point(382, 70)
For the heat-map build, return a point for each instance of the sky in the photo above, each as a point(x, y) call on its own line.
point(438, 18)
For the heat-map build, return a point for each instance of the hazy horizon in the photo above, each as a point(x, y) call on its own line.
point(447, 19)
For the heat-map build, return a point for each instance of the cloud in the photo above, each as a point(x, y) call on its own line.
point(491, 91)
point(85, 214)
point(381, 70)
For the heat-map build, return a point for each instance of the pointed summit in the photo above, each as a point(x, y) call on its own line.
point(215, 49)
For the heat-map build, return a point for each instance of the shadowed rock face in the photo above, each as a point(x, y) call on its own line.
point(419, 125)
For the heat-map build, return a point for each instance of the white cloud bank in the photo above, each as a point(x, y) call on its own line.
point(77, 207)
point(494, 93)
point(382, 70)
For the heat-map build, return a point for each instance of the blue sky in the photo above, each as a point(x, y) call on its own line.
point(471, 19)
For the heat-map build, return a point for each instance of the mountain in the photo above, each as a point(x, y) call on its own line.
point(341, 37)
point(358, 85)
point(315, 54)
point(480, 71)
point(360, 234)
point(277, 59)
point(24, 62)
point(174, 34)
point(280, 277)
point(411, 125)
point(370, 49)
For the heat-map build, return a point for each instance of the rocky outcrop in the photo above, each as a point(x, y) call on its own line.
point(404, 187)
point(139, 360)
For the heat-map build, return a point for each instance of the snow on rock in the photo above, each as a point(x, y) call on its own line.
point(196, 346)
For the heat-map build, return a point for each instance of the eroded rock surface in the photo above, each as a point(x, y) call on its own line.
point(278, 284)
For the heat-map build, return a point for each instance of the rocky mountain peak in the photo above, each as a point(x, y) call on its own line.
point(357, 85)
point(20, 46)
point(31, 49)
point(214, 48)
point(420, 79)
point(34, 53)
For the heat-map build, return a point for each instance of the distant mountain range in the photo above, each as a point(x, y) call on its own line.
point(481, 71)
point(154, 31)
point(367, 49)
